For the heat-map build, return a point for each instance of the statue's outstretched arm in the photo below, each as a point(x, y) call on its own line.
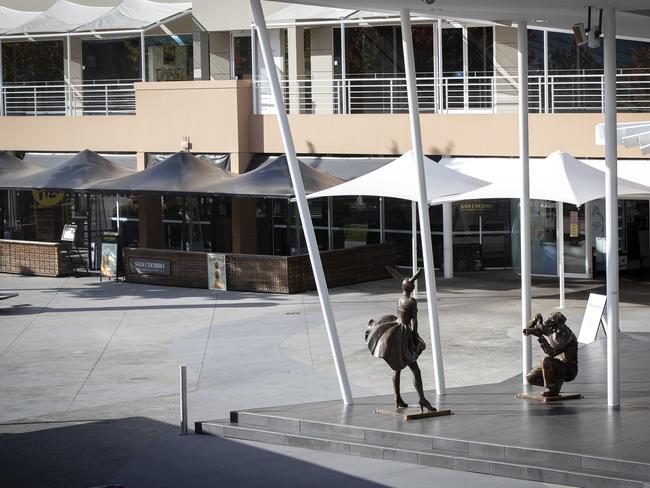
point(563, 344)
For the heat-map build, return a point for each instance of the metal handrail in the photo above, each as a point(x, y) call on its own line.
point(60, 98)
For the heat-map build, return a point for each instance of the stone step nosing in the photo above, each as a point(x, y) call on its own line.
point(489, 450)
point(460, 463)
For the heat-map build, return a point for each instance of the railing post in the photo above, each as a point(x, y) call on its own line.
point(35, 102)
point(2, 90)
point(390, 84)
point(106, 99)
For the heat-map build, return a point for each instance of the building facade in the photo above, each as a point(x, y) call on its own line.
point(201, 85)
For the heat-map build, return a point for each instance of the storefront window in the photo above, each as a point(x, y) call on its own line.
point(41, 215)
point(169, 58)
point(483, 226)
point(356, 221)
point(190, 222)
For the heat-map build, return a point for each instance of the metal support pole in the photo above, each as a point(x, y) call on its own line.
point(447, 240)
point(438, 61)
point(344, 72)
point(611, 208)
point(68, 48)
point(414, 243)
point(382, 219)
point(143, 60)
point(301, 201)
point(2, 95)
point(546, 87)
point(117, 212)
point(89, 226)
point(254, 69)
point(524, 202)
point(330, 223)
point(183, 395)
point(559, 217)
point(423, 204)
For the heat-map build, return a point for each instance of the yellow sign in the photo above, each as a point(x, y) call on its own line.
point(47, 198)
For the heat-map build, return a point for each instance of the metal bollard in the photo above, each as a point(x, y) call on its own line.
point(183, 378)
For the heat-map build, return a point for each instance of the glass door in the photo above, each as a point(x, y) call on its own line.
point(576, 258)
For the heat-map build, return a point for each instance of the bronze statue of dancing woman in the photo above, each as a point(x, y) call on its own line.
point(396, 340)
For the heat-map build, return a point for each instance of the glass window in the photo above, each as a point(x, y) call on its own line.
point(169, 58)
point(243, 57)
point(452, 52)
point(356, 221)
point(111, 59)
point(32, 61)
point(535, 51)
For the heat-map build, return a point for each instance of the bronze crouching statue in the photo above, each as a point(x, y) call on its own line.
point(396, 340)
point(561, 362)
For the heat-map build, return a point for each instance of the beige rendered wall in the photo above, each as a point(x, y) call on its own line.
point(217, 117)
point(452, 134)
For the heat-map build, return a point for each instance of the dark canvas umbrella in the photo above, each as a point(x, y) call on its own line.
point(11, 167)
point(179, 173)
point(80, 172)
point(272, 179)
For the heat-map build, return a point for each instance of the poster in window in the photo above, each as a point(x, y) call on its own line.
point(108, 266)
point(574, 228)
point(169, 54)
point(217, 271)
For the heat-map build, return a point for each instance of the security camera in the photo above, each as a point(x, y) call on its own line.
point(429, 2)
point(580, 34)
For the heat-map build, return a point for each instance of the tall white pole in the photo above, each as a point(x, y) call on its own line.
point(611, 208)
point(68, 48)
point(423, 204)
point(559, 214)
point(301, 201)
point(414, 242)
point(254, 69)
point(524, 202)
point(143, 60)
point(447, 240)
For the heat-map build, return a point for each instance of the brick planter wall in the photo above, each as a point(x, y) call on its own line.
point(271, 274)
point(33, 258)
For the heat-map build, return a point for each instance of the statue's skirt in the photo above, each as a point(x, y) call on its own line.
point(393, 341)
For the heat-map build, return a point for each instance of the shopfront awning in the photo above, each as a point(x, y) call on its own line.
point(10, 18)
point(180, 173)
point(272, 180)
point(136, 15)
point(13, 167)
point(60, 18)
point(559, 177)
point(399, 180)
point(78, 173)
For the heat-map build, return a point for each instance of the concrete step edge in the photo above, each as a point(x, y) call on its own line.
point(498, 452)
point(527, 471)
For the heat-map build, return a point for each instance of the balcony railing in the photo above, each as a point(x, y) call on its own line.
point(555, 93)
point(110, 97)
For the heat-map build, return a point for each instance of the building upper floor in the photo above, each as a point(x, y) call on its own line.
point(332, 61)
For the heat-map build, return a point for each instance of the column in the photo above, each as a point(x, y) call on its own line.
point(524, 202)
point(423, 204)
point(611, 208)
point(322, 68)
point(219, 55)
point(301, 201)
point(296, 54)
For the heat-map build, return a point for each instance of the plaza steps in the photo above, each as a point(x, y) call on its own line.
point(547, 466)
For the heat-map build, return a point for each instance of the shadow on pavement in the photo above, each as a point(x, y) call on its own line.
point(138, 451)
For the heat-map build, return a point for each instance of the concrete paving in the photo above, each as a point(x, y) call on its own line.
point(89, 390)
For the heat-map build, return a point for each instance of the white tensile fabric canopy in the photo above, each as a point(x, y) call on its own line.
point(136, 14)
point(636, 170)
point(559, 177)
point(308, 12)
point(10, 18)
point(399, 180)
point(61, 17)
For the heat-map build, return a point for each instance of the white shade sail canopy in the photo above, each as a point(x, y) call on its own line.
point(308, 12)
point(10, 18)
point(61, 17)
point(136, 14)
point(559, 177)
point(399, 180)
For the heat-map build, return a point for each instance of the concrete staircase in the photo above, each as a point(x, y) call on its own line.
point(500, 460)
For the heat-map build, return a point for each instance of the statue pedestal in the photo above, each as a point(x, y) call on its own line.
point(411, 413)
point(548, 399)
